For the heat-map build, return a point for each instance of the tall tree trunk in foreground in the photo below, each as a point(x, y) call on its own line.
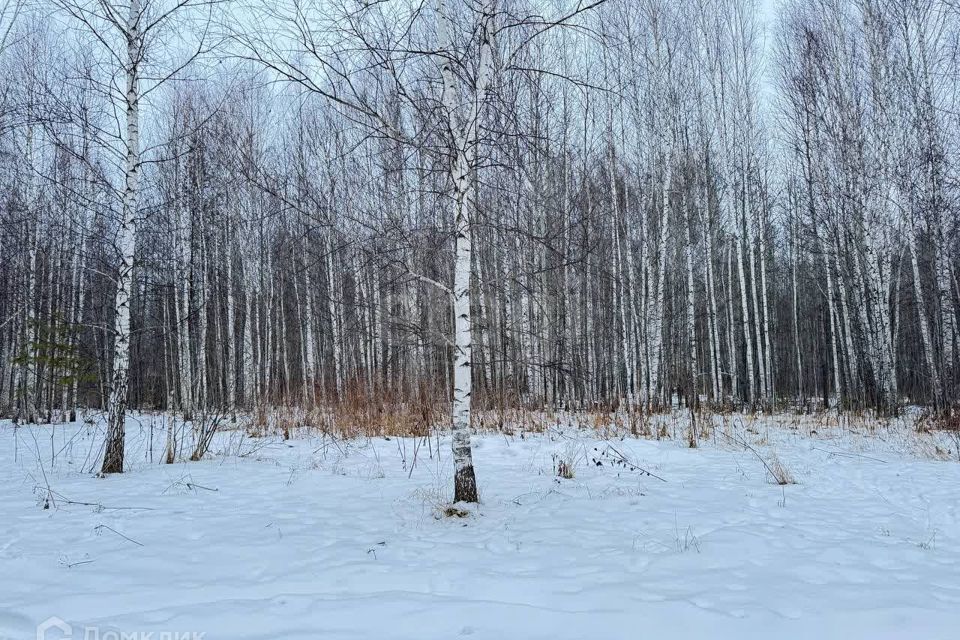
point(126, 243)
point(464, 134)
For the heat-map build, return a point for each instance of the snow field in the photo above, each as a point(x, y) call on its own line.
point(316, 538)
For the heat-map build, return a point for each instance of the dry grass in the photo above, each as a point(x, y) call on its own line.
point(563, 468)
point(929, 422)
point(778, 472)
point(363, 415)
point(453, 511)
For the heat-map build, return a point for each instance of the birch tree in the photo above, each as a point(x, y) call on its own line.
point(126, 32)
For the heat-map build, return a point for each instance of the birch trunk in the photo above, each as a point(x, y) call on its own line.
point(231, 355)
point(28, 411)
point(947, 318)
point(733, 355)
point(834, 326)
point(183, 264)
point(310, 359)
point(200, 392)
point(765, 306)
point(693, 396)
point(713, 317)
point(659, 325)
point(463, 165)
point(750, 224)
point(126, 242)
point(745, 310)
point(925, 332)
point(335, 327)
point(853, 362)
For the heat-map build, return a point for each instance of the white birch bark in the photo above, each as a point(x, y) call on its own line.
point(947, 318)
point(834, 325)
point(691, 317)
point(733, 355)
point(765, 306)
point(794, 268)
point(464, 134)
point(713, 318)
point(526, 330)
point(745, 311)
point(925, 332)
point(333, 309)
point(750, 224)
point(201, 396)
point(310, 359)
point(632, 319)
point(28, 410)
point(853, 362)
point(126, 244)
point(659, 323)
point(183, 264)
point(231, 351)
point(860, 298)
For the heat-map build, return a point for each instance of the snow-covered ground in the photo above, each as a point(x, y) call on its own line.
point(315, 538)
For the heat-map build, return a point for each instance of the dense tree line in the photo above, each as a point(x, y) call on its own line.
point(620, 203)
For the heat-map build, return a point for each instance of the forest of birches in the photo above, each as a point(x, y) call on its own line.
point(220, 206)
